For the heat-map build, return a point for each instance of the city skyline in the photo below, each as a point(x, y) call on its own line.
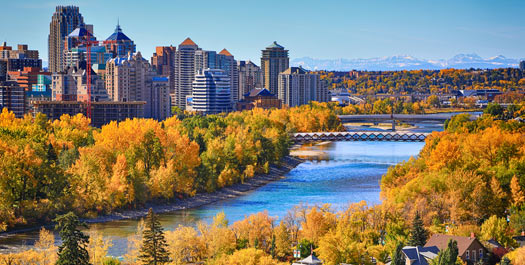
point(352, 30)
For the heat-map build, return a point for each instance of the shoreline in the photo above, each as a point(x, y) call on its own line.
point(200, 199)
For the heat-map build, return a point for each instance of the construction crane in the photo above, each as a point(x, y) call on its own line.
point(89, 44)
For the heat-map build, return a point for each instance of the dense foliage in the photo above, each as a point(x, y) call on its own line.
point(426, 81)
point(463, 175)
point(51, 167)
point(466, 180)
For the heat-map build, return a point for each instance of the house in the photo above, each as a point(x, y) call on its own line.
point(310, 260)
point(419, 255)
point(469, 248)
point(259, 98)
point(496, 248)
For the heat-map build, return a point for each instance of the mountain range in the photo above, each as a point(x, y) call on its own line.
point(460, 61)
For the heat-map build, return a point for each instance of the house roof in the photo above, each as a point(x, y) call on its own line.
point(441, 242)
point(259, 92)
point(188, 42)
point(275, 45)
point(225, 52)
point(118, 34)
point(420, 255)
point(310, 260)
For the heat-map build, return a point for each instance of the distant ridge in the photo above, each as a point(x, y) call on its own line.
point(403, 62)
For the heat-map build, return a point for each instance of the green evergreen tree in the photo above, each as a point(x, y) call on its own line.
point(154, 248)
point(448, 256)
point(272, 250)
point(73, 249)
point(398, 258)
point(418, 234)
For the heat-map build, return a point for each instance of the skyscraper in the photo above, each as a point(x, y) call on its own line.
point(274, 60)
point(184, 72)
point(163, 61)
point(12, 97)
point(226, 62)
point(522, 66)
point(118, 44)
point(64, 21)
point(298, 87)
point(250, 77)
point(132, 78)
point(211, 92)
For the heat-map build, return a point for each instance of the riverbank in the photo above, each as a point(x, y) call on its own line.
point(200, 199)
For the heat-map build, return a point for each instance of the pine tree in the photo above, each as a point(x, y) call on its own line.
point(154, 248)
point(73, 249)
point(398, 258)
point(418, 234)
point(447, 256)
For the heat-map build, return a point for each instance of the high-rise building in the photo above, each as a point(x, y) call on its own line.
point(298, 87)
point(163, 61)
point(250, 77)
point(16, 60)
point(77, 57)
point(118, 44)
point(274, 60)
point(184, 72)
point(12, 97)
point(226, 62)
point(132, 78)
point(522, 65)
point(71, 85)
point(27, 77)
point(7, 52)
point(64, 21)
point(211, 92)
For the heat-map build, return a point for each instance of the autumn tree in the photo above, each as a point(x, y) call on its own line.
point(154, 247)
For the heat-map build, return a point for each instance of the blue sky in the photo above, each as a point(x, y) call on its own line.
point(315, 28)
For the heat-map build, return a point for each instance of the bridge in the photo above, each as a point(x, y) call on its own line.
point(360, 136)
point(409, 118)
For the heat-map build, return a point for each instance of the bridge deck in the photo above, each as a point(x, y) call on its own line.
point(360, 136)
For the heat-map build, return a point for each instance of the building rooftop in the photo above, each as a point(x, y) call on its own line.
point(225, 52)
point(80, 32)
point(118, 35)
point(259, 92)
point(420, 255)
point(275, 45)
point(295, 70)
point(188, 42)
point(441, 241)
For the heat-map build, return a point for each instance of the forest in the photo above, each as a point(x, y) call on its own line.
point(425, 81)
point(52, 167)
point(467, 180)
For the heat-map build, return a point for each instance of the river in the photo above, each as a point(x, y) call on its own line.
point(340, 173)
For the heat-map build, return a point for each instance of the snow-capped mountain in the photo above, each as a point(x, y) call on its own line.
point(460, 61)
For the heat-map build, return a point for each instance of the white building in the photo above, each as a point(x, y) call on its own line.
point(211, 92)
point(184, 72)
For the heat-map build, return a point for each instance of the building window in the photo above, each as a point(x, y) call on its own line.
point(480, 253)
point(467, 254)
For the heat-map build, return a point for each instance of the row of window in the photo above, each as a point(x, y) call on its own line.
point(471, 254)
